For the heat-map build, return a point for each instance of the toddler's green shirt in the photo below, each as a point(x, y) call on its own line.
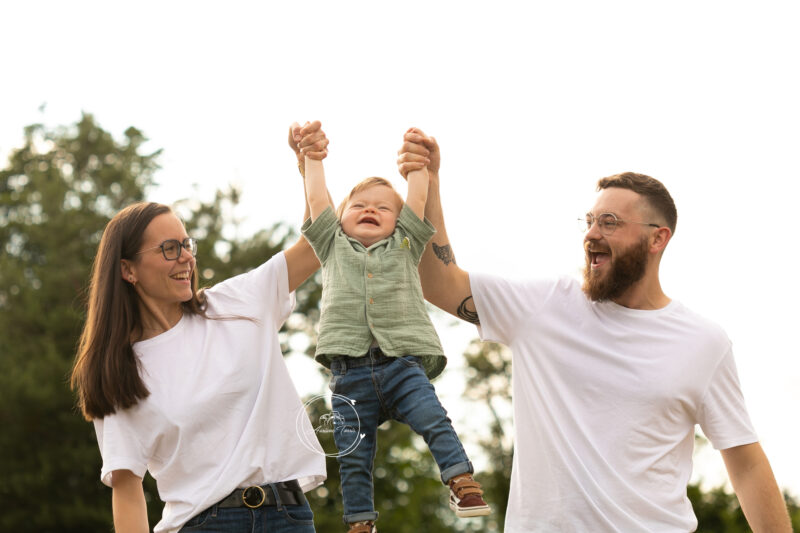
point(374, 292)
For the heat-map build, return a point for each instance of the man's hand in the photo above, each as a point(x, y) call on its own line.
point(417, 152)
point(308, 140)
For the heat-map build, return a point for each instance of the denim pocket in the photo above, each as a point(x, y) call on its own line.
point(298, 514)
point(410, 361)
point(198, 520)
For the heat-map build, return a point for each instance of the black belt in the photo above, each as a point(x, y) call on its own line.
point(373, 357)
point(289, 492)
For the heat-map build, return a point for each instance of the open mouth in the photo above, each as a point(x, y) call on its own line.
point(598, 258)
point(369, 220)
point(182, 276)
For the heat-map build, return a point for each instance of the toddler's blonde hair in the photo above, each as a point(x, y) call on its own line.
point(364, 185)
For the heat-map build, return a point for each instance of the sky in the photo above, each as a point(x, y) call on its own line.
point(531, 103)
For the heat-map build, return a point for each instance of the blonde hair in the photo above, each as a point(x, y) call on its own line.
point(364, 185)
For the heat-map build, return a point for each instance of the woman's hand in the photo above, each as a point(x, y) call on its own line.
point(308, 140)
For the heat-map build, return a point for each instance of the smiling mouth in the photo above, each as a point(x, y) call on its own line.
point(182, 276)
point(369, 220)
point(598, 258)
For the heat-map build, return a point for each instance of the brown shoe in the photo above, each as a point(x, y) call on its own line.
point(466, 497)
point(362, 527)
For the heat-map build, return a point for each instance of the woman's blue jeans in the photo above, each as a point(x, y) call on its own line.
point(386, 388)
point(268, 519)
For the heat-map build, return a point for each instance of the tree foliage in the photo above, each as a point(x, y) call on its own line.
point(57, 192)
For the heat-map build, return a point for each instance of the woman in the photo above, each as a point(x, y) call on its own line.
point(191, 385)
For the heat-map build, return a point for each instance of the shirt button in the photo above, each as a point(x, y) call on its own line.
point(369, 274)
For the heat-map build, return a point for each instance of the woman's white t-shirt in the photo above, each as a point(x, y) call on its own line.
point(222, 411)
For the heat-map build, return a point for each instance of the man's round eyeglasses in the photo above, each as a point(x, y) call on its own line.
point(607, 223)
point(171, 248)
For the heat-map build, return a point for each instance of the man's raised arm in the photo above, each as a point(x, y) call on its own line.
point(444, 284)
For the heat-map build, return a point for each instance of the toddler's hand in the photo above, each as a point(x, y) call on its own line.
point(293, 130)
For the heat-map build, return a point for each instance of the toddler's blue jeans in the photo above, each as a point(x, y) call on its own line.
point(385, 388)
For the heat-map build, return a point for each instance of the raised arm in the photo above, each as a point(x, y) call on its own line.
point(417, 191)
point(444, 284)
point(128, 503)
point(756, 488)
point(313, 145)
point(301, 261)
point(418, 180)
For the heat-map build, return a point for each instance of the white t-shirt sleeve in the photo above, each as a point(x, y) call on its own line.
point(262, 293)
point(504, 305)
point(119, 447)
point(723, 415)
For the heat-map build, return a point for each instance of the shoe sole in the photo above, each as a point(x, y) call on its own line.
point(472, 511)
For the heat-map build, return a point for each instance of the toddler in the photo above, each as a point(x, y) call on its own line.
point(375, 334)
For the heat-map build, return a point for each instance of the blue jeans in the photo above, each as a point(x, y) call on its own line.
point(386, 388)
point(268, 519)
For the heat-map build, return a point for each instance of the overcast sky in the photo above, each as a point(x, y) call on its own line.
point(531, 102)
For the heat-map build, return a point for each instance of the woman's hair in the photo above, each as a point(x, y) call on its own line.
point(366, 184)
point(106, 371)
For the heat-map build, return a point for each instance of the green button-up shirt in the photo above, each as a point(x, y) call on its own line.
point(374, 293)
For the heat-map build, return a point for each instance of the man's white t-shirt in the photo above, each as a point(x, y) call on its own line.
point(605, 401)
point(222, 411)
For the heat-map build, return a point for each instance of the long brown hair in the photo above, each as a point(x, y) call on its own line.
point(106, 371)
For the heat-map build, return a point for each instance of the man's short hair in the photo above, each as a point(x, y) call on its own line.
point(366, 184)
point(655, 193)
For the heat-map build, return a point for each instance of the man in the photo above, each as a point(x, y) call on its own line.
point(610, 377)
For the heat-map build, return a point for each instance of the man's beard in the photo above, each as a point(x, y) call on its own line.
point(624, 270)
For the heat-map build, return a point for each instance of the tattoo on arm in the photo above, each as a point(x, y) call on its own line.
point(445, 253)
point(465, 314)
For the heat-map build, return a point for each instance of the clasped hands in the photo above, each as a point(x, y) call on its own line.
point(417, 151)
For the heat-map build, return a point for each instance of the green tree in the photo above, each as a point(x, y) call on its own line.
point(57, 192)
point(488, 383)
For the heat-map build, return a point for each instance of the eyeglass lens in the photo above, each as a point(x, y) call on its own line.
point(606, 222)
point(172, 248)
